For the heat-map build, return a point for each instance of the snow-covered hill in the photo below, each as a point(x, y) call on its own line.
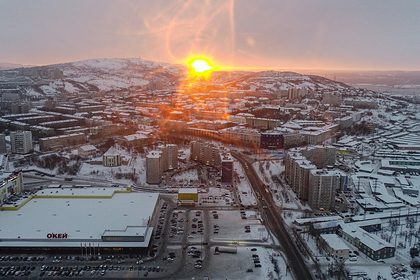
point(277, 81)
point(116, 74)
point(119, 74)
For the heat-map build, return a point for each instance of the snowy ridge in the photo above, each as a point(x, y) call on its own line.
point(273, 81)
point(115, 73)
point(118, 74)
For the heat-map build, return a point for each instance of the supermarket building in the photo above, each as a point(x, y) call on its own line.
point(70, 219)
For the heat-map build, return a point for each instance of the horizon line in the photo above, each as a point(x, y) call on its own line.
point(232, 68)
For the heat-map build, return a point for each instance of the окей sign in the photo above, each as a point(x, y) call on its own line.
point(57, 235)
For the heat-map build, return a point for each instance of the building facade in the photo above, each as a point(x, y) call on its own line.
point(205, 153)
point(3, 148)
point(369, 244)
point(322, 187)
point(320, 156)
point(272, 140)
point(62, 141)
point(111, 158)
point(241, 136)
point(227, 169)
point(154, 167)
point(21, 142)
point(262, 123)
point(10, 183)
point(334, 246)
point(169, 156)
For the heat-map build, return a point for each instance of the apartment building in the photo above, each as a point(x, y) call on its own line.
point(20, 108)
point(262, 123)
point(272, 140)
point(320, 156)
point(322, 187)
point(293, 139)
point(21, 142)
point(242, 136)
point(58, 142)
point(297, 169)
point(169, 156)
point(154, 167)
point(301, 170)
point(227, 169)
point(205, 153)
point(3, 148)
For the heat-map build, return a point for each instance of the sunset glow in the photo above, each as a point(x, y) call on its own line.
point(200, 66)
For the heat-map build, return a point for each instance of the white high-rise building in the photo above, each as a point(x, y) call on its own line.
point(21, 142)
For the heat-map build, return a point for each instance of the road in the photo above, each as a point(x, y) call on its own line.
point(274, 221)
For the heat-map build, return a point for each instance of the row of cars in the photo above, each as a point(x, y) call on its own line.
point(159, 227)
point(71, 271)
point(16, 270)
point(256, 260)
point(146, 269)
point(176, 229)
point(21, 258)
point(243, 214)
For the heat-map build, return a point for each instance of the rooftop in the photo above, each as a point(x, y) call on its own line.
point(82, 214)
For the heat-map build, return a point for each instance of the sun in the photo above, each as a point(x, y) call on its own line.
point(200, 66)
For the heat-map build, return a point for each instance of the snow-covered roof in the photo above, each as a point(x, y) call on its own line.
point(317, 220)
point(372, 241)
point(188, 191)
point(134, 137)
point(87, 148)
point(83, 215)
point(112, 152)
point(334, 242)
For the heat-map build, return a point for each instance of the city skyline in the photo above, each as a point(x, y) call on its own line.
point(356, 35)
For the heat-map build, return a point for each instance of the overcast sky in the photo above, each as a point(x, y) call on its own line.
point(321, 34)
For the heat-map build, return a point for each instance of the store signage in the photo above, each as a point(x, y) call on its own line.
point(57, 235)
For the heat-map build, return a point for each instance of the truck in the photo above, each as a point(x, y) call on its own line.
point(224, 249)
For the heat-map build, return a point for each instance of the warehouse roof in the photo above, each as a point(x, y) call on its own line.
point(81, 215)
